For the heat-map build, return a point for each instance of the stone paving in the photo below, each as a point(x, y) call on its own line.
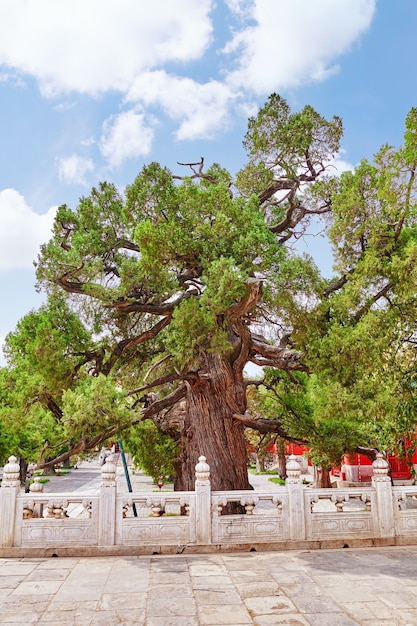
point(366, 587)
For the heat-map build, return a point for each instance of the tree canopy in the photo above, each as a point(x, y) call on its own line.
point(159, 297)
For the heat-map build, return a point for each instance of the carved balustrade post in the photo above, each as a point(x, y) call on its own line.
point(107, 508)
point(296, 499)
point(10, 487)
point(384, 499)
point(37, 487)
point(203, 501)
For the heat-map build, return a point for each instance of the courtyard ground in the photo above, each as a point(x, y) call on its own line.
point(366, 587)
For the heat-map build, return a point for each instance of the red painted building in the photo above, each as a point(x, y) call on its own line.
point(358, 467)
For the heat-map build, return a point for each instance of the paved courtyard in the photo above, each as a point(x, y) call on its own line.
point(369, 587)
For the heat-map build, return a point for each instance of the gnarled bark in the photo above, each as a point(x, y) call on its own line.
point(210, 430)
point(322, 477)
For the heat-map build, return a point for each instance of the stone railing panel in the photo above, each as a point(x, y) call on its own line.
point(405, 510)
point(340, 513)
point(56, 520)
point(265, 519)
point(160, 519)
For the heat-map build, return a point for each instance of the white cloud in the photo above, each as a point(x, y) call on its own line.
point(290, 42)
point(22, 231)
point(73, 169)
point(201, 109)
point(93, 46)
point(243, 8)
point(338, 165)
point(12, 78)
point(125, 136)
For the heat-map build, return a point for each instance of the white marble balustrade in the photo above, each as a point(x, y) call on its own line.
point(288, 515)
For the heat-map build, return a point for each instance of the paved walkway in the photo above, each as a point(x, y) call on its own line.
point(367, 587)
point(87, 479)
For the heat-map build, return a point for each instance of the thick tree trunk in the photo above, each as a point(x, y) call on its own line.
point(23, 465)
point(322, 477)
point(282, 459)
point(209, 429)
point(260, 462)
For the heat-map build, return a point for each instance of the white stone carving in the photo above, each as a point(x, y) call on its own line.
point(339, 500)
point(108, 472)
point(249, 503)
point(157, 506)
point(381, 468)
point(57, 509)
point(293, 470)
point(202, 470)
point(36, 486)
point(11, 473)
point(28, 509)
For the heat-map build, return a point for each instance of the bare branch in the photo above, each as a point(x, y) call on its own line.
point(275, 356)
point(277, 185)
point(196, 173)
point(293, 216)
point(145, 336)
point(125, 305)
point(249, 300)
point(338, 284)
point(165, 402)
point(265, 426)
point(158, 382)
point(81, 446)
point(157, 364)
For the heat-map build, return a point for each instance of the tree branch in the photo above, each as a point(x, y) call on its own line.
point(336, 285)
point(365, 308)
point(196, 173)
point(163, 403)
point(125, 305)
point(81, 446)
point(265, 426)
point(87, 444)
point(275, 356)
point(277, 185)
point(145, 336)
point(249, 300)
point(162, 380)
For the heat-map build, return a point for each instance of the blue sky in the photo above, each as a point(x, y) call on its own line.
point(91, 90)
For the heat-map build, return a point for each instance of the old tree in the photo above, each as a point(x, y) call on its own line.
point(159, 298)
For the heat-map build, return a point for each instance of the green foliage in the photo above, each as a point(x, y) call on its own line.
point(360, 339)
point(45, 358)
point(288, 402)
point(24, 424)
point(49, 342)
point(264, 472)
point(93, 406)
point(277, 480)
point(279, 139)
point(153, 451)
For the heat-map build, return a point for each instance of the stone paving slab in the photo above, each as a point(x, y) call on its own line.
point(352, 587)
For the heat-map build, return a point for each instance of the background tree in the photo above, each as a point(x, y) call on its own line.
point(154, 452)
point(45, 354)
